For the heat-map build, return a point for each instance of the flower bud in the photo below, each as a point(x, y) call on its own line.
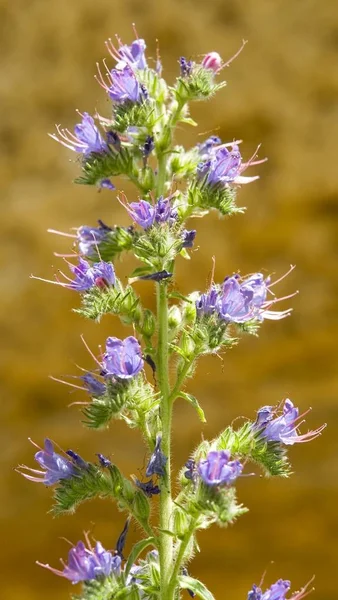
point(174, 317)
point(188, 346)
point(148, 323)
point(180, 522)
point(141, 506)
point(189, 309)
point(146, 178)
point(212, 61)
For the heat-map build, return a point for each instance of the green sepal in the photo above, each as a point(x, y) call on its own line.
point(129, 114)
point(103, 165)
point(91, 482)
point(102, 588)
point(119, 240)
point(133, 400)
point(155, 85)
point(158, 246)
point(199, 85)
point(205, 196)
point(197, 587)
point(246, 444)
point(116, 300)
point(182, 164)
point(194, 402)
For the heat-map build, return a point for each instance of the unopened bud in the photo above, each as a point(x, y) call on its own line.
point(212, 61)
point(174, 317)
point(141, 506)
point(148, 323)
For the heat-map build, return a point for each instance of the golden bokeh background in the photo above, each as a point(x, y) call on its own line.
point(283, 92)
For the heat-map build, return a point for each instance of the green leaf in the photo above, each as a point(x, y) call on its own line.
point(139, 271)
point(136, 551)
point(189, 583)
point(179, 297)
point(188, 121)
point(194, 402)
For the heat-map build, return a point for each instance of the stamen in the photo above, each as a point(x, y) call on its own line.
point(61, 233)
point(77, 387)
point(90, 352)
point(228, 63)
point(134, 30)
point(292, 267)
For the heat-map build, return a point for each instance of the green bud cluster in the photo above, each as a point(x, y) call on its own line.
point(199, 85)
point(129, 400)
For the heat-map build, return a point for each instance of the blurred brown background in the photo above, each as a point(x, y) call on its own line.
point(282, 91)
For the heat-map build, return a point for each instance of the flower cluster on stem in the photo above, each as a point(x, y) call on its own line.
point(137, 141)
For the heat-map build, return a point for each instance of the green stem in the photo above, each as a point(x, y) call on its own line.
point(163, 151)
point(165, 540)
point(161, 175)
point(180, 556)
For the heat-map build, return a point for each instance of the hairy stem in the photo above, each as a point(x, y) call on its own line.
point(180, 556)
point(165, 540)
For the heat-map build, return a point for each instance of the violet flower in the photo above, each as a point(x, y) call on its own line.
point(146, 214)
point(55, 467)
point(217, 469)
point(224, 167)
point(186, 66)
point(240, 301)
point(122, 85)
point(85, 564)
point(148, 146)
point(86, 277)
point(142, 212)
point(103, 460)
point(206, 147)
point(86, 138)
point(132, 55)
point(95, 387)
point(283, 428)
point(148, 487)
point(123, 358)
point(90, 237)
point(207, 303)
point(188, 238)
point(277, 591)
point(157, 461)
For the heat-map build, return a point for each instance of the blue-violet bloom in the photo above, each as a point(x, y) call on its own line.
point(217, 469)
point(224, 167)
point(239, 301)
point(86, 277)
point(89, 238)
point(123, 358)
point(86, 138)
point(277, 591)
point(95, 387)
point(85, 564)
point(283, 428)
point(157, 461)
point(132, 55)
point(142, 212)
point(122, 85)
point(188, 238)
point(186, 66)
point(55, 467)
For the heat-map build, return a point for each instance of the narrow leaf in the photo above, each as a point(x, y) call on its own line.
point(194, 402)
point(189, 583)
point(136, 551)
